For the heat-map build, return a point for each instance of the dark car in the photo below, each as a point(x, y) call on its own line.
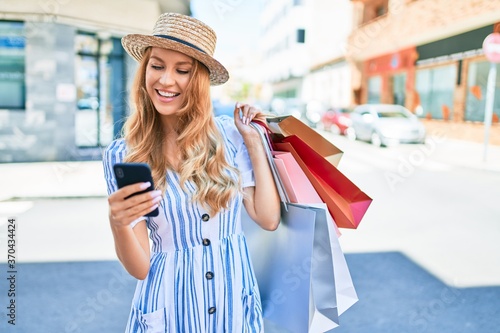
point(336, 120)
point(386, 124)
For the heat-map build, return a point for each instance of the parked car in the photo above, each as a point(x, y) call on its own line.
point(309, 113)
point(336, 120)
point(386, 124)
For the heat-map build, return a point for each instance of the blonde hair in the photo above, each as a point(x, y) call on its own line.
point(200, 144)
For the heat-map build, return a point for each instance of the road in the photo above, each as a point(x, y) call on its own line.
point(444, 217)
point(426, 257)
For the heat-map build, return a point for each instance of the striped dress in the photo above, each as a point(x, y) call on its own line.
point(201, 278)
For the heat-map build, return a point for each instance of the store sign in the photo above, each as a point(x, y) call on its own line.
point(491, 47)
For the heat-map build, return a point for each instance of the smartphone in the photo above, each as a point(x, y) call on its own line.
point(131, 173)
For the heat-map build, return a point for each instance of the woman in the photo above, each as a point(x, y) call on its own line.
point(196, 275)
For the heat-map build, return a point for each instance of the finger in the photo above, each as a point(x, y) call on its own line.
point(142, 198)
point(248, 113)
point(131, 189)
point(244, 109)
point(120, 215)
point(253, 113)
point(134, 212)
point(118, 204)
point(237, 111)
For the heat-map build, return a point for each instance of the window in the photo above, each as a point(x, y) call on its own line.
point(435, 87)
point(477, 83)
point(12, 86)
point(301, 36)
point(374, 89)
point(399, 88)
point(98, 73)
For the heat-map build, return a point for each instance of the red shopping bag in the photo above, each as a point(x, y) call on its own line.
point(345, 201)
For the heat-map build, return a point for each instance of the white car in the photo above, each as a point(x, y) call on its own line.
point(386, 125)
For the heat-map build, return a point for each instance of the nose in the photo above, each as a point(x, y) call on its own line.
point(166, 78)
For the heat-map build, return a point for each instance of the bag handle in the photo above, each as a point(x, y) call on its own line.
point(268, 148)
point(267, 132)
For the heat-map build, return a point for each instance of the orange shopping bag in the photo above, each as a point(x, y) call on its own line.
point(289, 125)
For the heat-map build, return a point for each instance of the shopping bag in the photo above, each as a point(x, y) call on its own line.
point(289, 125)
point(297, 186)
point(295, 267)
point(294, 271)
point(346, 202)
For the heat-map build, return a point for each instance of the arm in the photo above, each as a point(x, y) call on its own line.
point(132, 244)
point(262, 201)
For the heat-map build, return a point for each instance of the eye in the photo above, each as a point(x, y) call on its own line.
point(156, 67)
point(182, 71)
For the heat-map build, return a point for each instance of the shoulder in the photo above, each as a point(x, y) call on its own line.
point(115, 152)
point(224, 121)
point(227, 127)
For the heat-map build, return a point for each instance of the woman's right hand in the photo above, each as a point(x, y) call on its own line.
point(122, 212)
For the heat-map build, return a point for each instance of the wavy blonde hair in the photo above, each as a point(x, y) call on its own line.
point(200, 144)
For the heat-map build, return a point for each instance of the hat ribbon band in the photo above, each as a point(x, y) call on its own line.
point(175, 39)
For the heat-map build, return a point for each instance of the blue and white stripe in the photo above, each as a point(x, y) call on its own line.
point(193, 286)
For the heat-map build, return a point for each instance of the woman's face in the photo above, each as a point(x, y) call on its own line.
point(167, 76)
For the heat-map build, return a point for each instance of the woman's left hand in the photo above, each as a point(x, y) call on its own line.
point(248, 113)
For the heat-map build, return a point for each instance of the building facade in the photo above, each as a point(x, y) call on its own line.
point(65, 76)
point(426, 55)
point(303, 46)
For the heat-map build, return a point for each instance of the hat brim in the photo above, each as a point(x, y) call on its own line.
point(136, 45)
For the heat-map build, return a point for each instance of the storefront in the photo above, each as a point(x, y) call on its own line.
point(451, 77)
point(64, 76)
point(62, 92)
point(390, 78)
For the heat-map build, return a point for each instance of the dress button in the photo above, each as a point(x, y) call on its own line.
point(206, 241)
point(205, 217)
point(211, 310)
point(209, 275)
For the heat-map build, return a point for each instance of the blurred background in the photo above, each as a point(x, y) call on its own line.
point(406, 88)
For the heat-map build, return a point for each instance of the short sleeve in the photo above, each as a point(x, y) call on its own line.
point(115, 153)
point(237, 149)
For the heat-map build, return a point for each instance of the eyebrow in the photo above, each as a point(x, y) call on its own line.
point(177, 63)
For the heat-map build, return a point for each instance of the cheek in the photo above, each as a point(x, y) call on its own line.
point(150, 80)
point(183, 81)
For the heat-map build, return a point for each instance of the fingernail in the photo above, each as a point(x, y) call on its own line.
point(157, 199)
point(145, 185)
point(244, 119)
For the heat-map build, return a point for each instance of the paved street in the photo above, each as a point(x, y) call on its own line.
point(426, 258)
point(443, 216)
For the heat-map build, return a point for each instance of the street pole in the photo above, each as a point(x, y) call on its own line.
point(488, 112)
point(491, 48)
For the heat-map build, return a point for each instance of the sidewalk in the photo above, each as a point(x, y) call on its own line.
point(86, 179)
point(93, 292)
point(52, 180)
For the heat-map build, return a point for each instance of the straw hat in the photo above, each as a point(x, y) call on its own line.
point(184, 34)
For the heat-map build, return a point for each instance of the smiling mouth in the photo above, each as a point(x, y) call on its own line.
point(167, 94)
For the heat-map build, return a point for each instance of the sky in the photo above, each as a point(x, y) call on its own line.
point(236, 23)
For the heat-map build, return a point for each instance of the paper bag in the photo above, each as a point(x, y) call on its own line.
point(289, 125)
point(346, 202)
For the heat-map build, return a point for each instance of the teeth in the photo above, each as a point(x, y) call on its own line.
point(167, 94)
